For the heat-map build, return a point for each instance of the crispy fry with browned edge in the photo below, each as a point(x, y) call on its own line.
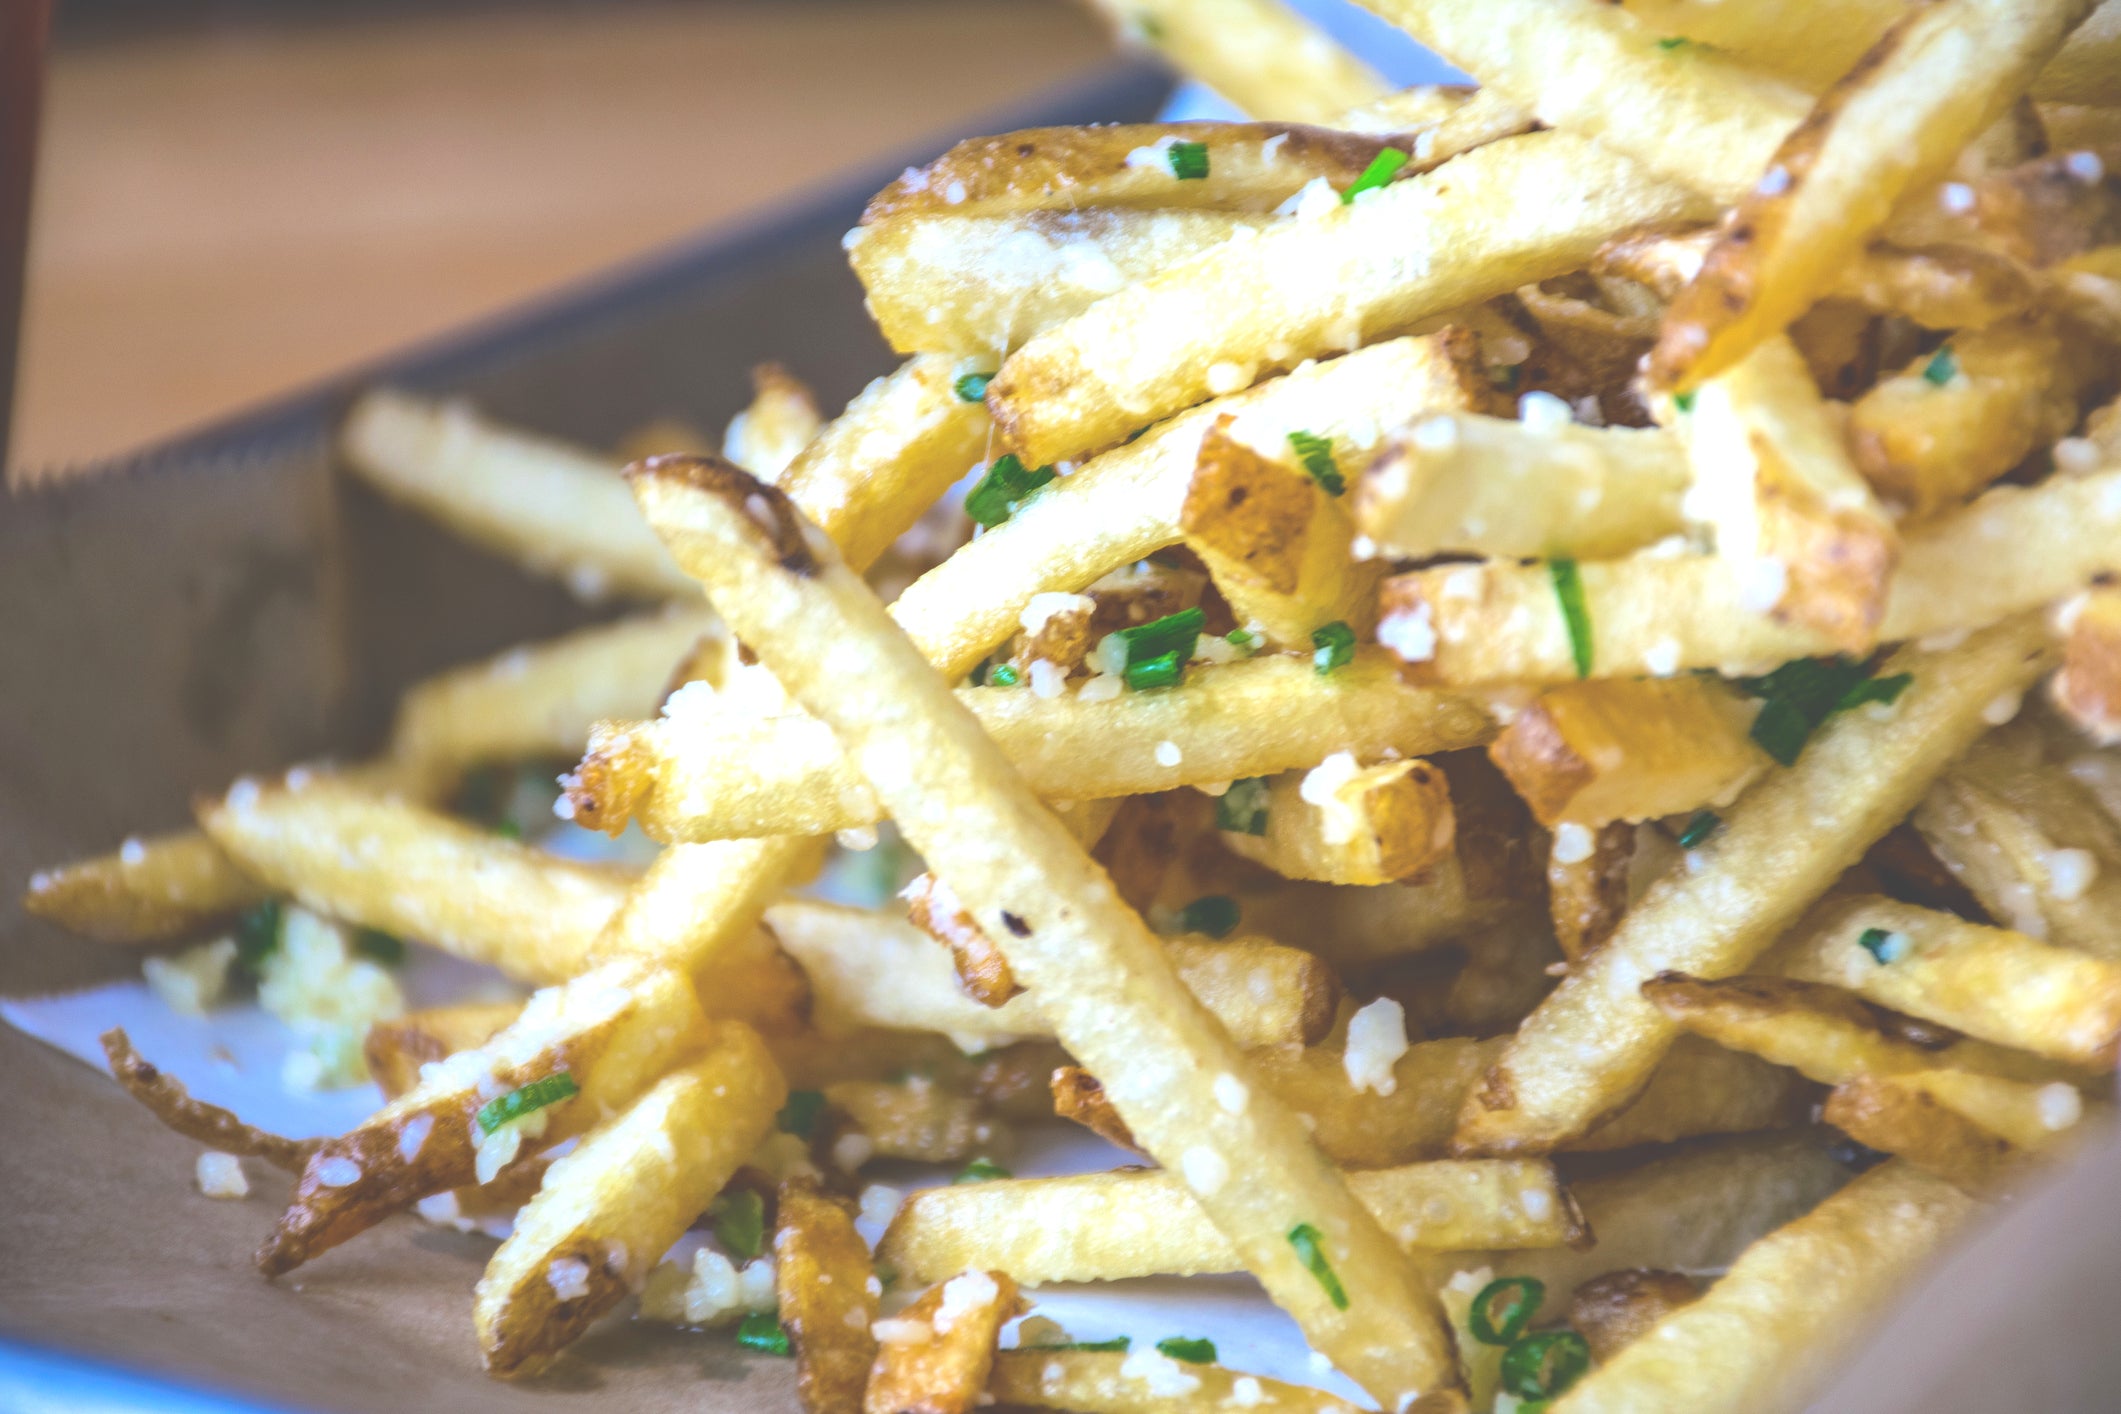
point(1596, 1039)
point(1587, 886)
point(1089, 1382)
point(396, 1049)
point(934, 1356)
point(774, 426)
point(611, 1032)
point(1629, 749)
point(981, 969)
point(1772, 1329)
point(2087, 687)
point(1260, 54)
point(1093, 966)
point(1614, 1311)
point(148, 892)
point(1932, 82)
point(1142, 1222)
point(829, 1294)
point(167, 1100)
point(608, 1211)
point(1882, 1113)
point(1358, 825)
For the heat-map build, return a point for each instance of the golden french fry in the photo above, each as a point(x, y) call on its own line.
point(1614, 1311)
point(149, 891)
point(1260, 54)
point(1092, 965)
point(1882, 1113)
point(2087, 687)
point(1774, 1326)
point(774, 427)
point(1929, 86)
point(916, 1119)
point(934, 1356)
point(1594, 1042)
point(829, 1294)
point(981, 969)
point(396, 1049)
point(1140, 1222)
point(1348, 824)
point(2029, 1116)
point(608, 1211)
point(1307, 289)
point(2016, 548)
point(611, 1032)
point(1587, 887)
point(553, 509)
point(874, 969)
point(1628, 749)
point(1787, 503)
point(168, 1101)
point(1093, 1383)
point(1438, 123)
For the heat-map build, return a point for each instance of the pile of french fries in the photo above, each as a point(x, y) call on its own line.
point(1521, 699)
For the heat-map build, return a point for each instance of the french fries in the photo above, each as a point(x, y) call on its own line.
point(774, 427)
point(1346, 824)
point(167, 1100)
point(934, 1356)
point(608, 1211)
point(829, 1295)
point(1882, 1112)
point(1614, 1311)
point(1587, 887)
point(1094, 1383)
point(396, 1049)
point(2087, 687)
point(149, 891)
point(777, 580)
point(1260, 54)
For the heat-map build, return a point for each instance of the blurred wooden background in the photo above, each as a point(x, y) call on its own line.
point(228, 210)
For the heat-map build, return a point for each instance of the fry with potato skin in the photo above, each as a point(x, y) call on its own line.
point(828, 1294)
point(934, 1356)
point(1092, 963)
point(1595, 1040)
point(608, 1211)
point(168, 1101)
point(396, 1049)
point(1614, 1311)
point(1882, 1113)
point(1587, 896)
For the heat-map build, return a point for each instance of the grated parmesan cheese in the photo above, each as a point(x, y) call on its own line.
point(1377, 1038)
point(221, 1175)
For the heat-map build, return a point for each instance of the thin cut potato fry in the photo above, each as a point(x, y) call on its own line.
point(1374, 825)
point(396, 1049)
point(1929, 86)
point(774, 426)
point(982, 972)
point(1142, 1222)
point(692, 776)
point(934, 1356)
point(1440, 127)
point(829, 1296)
point(1882, 1113)
point(1466, 483)
point(1988, 982)
point(1596, 1039)
point(417, 873)
point(167, 1100)
point(150, 891)
point(2030, 1117)
point(1614, 1311)
point(1309, 288)
point(1785, 498)
point(1587, 894)
point(874, 969)
point(1628, 749)
point(1260, 54)
point(1772, 1329)
point(981, 285)
point(553, 509)
point(916, 1119)
point(1092, 964)
point(1693, 116)
point(2087, 687)
point(1244, 167)
point(1090, 1382)
point(612, 1031)
point(2014, 549)
point(608, 1211)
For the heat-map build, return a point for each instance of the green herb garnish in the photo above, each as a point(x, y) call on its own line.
point(1684, 401)
point(1189, 160)
point(1883, 945)
point(740, 1222)
point(532, 1097)
point(1543, 1366)
point(1118, 1345)
point(1316, 453)
point(972, 387)
point(1505, 377)
point(1568, 588)
point(761, 1331)
point(1332, 647)
point(1801, 695)
point(800, 1115)
point(1002, 489)
point(1243, 807)
point(1242, 639)
point(1504, 1308)
point(981, 1170)
point(1157, 651)
point(258, 936)
point(1699, 828)
point(1192, 1351)
point(1307, 1240)
point(1004, 675)
point(1942, 367)
point(1213, 914)
point(379, 946)
point(508, 829)
point(1381, 169)
point(1164, 670)
point(1677, 41)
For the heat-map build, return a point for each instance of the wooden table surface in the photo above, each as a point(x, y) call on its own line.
point(219, 217)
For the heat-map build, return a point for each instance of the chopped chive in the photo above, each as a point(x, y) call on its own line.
point(1800, 695)
point(379, 946)
point(980, 1171)
point(1504, 1308)
point(1568, 588)
point(1316, 453)
point(1677, 41)
point(1243, 807)
point(258, 936)
point(1885, 690)
point(740, 1222)
point(1883, 945)
point(1240, 638)
point(1684, 401)
point(800, 1115)
point(1307, 1241)
point(1942, 367)
point(1213, 914)
point(1189, 160)
point(972, 387)
point(1164, 670)
point(1002, 489)
point(1505, 377)
point(1699, 828)
point(535, 1096)
point(761, 1331)
point(1151, 29)
point(1543, 1366)
point(508, 829)
point(1192, 1350)
point(1117, 1345)
point(1381, 169)
point(1004, 675)
point(1332, 647)
point(1173, 633)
